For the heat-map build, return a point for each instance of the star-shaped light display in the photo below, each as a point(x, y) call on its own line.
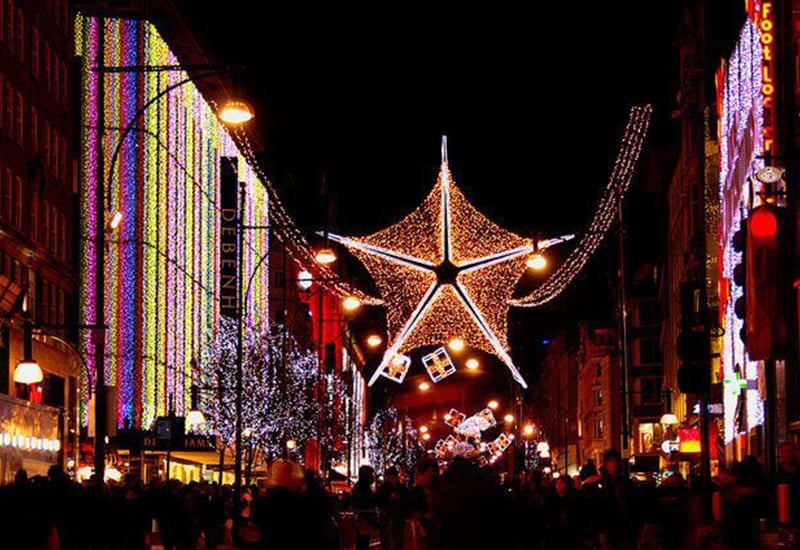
point(445, 271)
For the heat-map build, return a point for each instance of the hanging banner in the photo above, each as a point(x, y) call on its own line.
point(228, 249)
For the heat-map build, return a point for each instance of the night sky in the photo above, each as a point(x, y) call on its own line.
point(364, 106)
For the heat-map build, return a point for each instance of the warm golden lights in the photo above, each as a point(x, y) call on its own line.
point(456, 345)
point(423, 429)
point(351, 303)
point(472, 363)
point(325, 256)
point(374, 340)
point(493, 404)
point(528, 430)
point(28, 371)
point(424, 386)
point(536, 261)
point(508, 419)
point(236, 112)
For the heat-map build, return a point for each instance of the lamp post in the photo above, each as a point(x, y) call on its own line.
point(234, 112)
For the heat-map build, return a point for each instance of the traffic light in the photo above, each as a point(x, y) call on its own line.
point(766, 289)
point(740, 277)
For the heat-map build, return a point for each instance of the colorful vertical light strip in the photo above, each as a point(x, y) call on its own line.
point(741, 139)
point(161, 288)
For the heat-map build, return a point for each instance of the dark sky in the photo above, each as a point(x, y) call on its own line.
point(365, 105)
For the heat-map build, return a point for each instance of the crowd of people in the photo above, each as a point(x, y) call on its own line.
point(460, 506)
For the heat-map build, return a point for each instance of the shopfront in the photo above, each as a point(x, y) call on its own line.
point(30, 437)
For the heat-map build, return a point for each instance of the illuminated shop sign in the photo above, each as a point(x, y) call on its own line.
point(763, 16)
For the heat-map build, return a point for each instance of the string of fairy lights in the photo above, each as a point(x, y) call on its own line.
point(621, 176)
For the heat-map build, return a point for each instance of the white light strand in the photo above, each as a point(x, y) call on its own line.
point(621, 176)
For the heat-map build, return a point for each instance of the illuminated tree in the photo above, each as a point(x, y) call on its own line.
point(277, 387)
point(393, 441)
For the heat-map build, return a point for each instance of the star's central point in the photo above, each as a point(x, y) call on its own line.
point(446, 273)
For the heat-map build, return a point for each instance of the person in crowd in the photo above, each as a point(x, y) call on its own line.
point(392, 500)
point(280, 512)
point(616, 529)
point(467, 510)
point(319, 513)
point(561, 515)
point(420, 497)
point(363, 503)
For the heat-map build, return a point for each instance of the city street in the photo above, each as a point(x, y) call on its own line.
point(429, 277)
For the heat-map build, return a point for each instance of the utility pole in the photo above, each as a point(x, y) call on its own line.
point(622, 338)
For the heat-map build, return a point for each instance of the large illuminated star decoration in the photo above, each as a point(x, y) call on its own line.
point(446, 271)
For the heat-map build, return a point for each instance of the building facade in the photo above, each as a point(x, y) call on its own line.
point(162, 262)
point(598, 391)
point(555, 405)
point(38, 232)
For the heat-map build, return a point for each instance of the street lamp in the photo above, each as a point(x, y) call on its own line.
point(424, 386)
point(456, 344)
point(669, 419)
point(325, 256)
point(472, 363)
point(351, 303)
point(509, 418)
point(28, 370)
point(536, 261)
point(493, 404)
point(374, 340)
point(528, 430)
point(236, 112)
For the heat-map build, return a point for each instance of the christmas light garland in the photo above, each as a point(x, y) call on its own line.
point(621, 176)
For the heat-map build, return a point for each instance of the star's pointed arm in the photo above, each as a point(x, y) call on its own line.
point(489, 333)
point(390, 255)
point(429, 296)
point(511, 254)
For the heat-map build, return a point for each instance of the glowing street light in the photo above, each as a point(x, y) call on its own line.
point(472, 363)
point(424, 386)
point(374, 340)
point(493, 404)
point(236, 112)
point(456, 344)
point(536, 261)
point(528, 430)
point(509, 418)
point(423, 429)
point(351, 303)
point(28, 372)
point(325, 256)
point(426, 437)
